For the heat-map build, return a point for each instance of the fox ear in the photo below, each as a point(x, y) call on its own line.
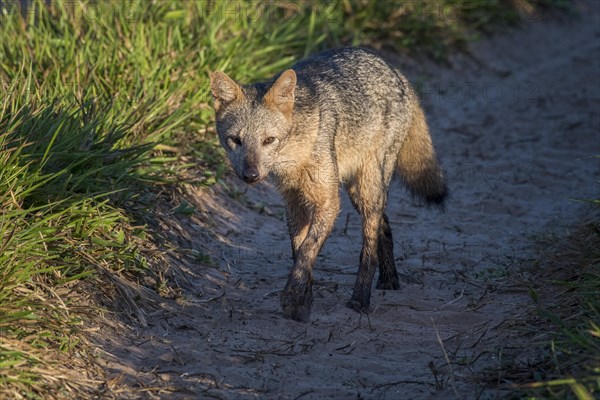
point(281, 95)
point(223, 89)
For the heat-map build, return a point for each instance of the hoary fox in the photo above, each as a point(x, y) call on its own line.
point(340, 117)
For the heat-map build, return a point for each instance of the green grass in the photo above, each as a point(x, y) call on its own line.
point(103, 104)
point(433, 27)
point(570, 367)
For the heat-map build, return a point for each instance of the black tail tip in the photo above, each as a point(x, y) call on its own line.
point(437, 200)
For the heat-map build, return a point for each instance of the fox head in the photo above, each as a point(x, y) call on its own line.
point(253, 122)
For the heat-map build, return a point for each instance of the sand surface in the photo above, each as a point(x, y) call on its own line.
point(514, 123)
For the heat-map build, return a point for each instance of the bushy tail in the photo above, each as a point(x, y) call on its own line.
point(418, 165)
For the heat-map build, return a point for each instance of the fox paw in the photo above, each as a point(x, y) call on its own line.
point(358, 305)
point(296, 303)
point(388, 284)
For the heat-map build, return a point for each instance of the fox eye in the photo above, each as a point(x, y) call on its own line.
point(269, 141)
point(234, 140)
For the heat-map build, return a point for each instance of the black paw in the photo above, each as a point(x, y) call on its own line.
point(388, 284)
point(361, 306)
point(296, 302)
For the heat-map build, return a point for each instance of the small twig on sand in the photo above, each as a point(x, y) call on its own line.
point(360, 316)
point(304, 394)
point(452, 377)
point(271, 293)
point(207, 300)
point(453, 301)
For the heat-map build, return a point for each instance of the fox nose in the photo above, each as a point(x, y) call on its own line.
point(251, 175)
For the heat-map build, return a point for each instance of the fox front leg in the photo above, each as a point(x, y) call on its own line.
point(296, 298)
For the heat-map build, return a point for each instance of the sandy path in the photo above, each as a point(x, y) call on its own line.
point(513, 126)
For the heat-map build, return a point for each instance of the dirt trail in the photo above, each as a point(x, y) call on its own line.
point(513, 125)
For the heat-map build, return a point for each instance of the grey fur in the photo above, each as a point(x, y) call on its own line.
point(343, 116)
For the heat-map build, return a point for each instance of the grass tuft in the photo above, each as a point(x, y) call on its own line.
point(564, 356)
point(573, 368)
